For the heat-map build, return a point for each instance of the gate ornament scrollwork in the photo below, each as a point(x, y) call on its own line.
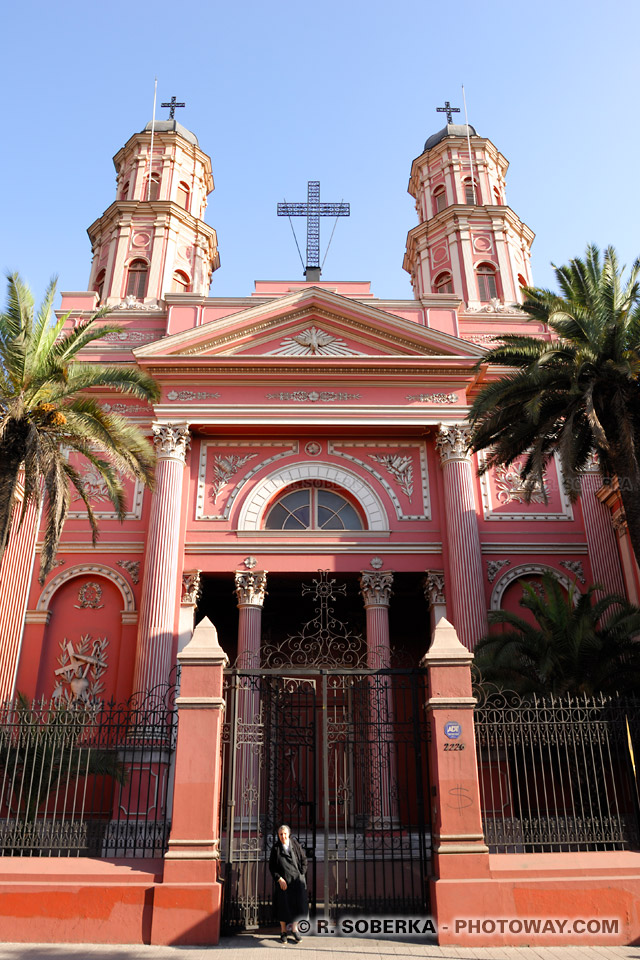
point(324, 641)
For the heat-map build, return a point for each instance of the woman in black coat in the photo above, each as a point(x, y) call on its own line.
point(288, 867)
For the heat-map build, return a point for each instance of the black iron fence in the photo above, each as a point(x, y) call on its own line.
point(558, 774)
point(87, 779)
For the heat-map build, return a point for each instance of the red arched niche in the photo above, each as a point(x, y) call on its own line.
point(86, 606)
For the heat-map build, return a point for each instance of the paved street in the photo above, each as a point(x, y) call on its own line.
point(250, 947)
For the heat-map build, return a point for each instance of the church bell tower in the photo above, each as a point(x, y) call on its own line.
point(153, 240)
point(468, 241)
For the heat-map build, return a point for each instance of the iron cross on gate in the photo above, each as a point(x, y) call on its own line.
point(313, 210)
point(172, 107)
point(448, 109)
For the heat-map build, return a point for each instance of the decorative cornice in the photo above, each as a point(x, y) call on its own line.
point(219, 340)
point(251, 587)
point(172, 440)
point(452, 442)
point(375, 587)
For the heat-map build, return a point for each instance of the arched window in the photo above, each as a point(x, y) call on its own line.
point(521, 281)
point(182, 196)
point(154, 190)
point(124, 193)
point(99, 285)
point(180, 282)
point(443, 283)
point(487, 284)
point(496, 194)
point(439, 199)
point(312, 508)
point(137, 279)
point(469, 192)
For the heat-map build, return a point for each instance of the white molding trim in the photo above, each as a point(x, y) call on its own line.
point(489, 507)
point(353, 548)
point(291, 449)
point(134, 513)
point(505, 548)
point(523, 570)
point(252, 509)
point(95, 569)
point(333, 447)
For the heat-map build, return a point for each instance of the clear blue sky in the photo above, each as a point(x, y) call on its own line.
point(342, 91)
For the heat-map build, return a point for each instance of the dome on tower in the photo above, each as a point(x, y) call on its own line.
point(172, 126)
point(451, 130)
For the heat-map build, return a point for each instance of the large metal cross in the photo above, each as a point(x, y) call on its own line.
point(313, 210)
point(449, 110)
point(172, 107)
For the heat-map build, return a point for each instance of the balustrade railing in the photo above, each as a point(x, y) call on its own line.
point(82, 778)
point(558, 774)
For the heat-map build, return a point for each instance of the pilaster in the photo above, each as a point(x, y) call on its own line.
point(188, 602)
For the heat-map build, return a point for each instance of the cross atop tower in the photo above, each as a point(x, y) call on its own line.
point(448, 109)
point(172, 107)
point(313, 210)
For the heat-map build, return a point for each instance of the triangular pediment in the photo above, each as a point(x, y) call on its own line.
point(310, 323)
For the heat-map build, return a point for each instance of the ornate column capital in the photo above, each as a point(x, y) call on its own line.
point(434, 587)
point(452, 442)
point(251, 587)
point(375, 587)
point(190, 587)
point(171, 440)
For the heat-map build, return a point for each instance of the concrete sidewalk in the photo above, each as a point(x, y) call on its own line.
point(251, 947)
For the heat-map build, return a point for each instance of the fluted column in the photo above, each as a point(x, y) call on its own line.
point(250, 591)
point(161, 571)
point(16, 570)
point(601, 539)
point(375, 587)
point(468, 603)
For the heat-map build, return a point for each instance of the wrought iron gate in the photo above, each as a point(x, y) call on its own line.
point(341, 756)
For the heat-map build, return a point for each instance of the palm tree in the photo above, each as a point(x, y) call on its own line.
point(573, 643)
point(47, 411)
point(576, 394)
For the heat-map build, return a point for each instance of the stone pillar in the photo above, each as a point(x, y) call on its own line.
point(601, 538)
point(188, 601)
point(375, 587)
point(161, 571)
point(468, 602)
point(187, 904)
point(460, 855)
point(250, 591)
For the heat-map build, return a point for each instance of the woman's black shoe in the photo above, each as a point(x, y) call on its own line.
point(296, 936)
point(283, 938)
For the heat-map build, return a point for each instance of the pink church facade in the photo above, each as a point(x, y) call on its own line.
point(353, 404)
point(305, 426)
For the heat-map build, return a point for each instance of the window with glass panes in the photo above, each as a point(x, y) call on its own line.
point(312, 508)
